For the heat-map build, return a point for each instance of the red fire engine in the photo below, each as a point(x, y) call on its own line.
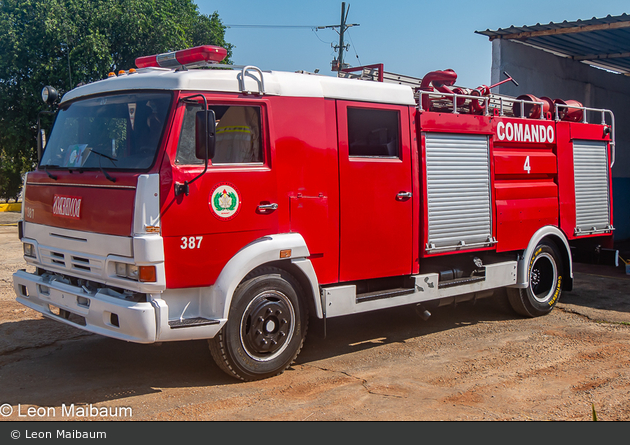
point(229, 204)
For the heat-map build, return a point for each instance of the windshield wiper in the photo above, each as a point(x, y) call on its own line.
point(50, 175)
point(104, 155)
point(101, 167)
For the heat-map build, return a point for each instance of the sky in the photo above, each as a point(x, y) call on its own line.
point(408, 37)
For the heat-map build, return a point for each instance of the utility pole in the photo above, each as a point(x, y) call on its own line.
point(343, 27)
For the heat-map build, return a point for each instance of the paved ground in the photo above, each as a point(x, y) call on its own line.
point(470, 362)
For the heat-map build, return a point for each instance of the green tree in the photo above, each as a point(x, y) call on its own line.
point(66, 42)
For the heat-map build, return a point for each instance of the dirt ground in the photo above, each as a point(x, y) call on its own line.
point(470, 362)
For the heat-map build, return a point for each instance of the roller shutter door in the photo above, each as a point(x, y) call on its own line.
point(458, 191)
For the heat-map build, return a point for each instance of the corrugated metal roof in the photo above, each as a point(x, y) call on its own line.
point(602, 42)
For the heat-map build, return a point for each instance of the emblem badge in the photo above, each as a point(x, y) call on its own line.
point(225, 201)
point(67, 206)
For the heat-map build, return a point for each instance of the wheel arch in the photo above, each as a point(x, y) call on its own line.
point(302, 270)
point(265, 251)
point(558, 238)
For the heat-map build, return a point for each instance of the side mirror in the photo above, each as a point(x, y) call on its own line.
point(205, 126)
point(41, 135)
point(41, 143)
point(205, 134)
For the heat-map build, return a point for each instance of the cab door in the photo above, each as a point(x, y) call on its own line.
point(376, 203)
point(232, 204)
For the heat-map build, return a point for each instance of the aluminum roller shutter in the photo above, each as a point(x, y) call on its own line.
point(458, 191)
point(592, 204)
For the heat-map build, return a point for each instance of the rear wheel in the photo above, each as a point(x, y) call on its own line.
point(266, 326)
point(545, 274)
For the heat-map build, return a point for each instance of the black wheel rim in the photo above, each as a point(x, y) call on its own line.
point(267, 325)
point(543, 277)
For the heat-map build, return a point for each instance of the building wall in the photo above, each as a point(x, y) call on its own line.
point(544, 74)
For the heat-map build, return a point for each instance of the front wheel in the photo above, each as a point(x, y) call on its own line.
point(266, 326)
point(545, 275)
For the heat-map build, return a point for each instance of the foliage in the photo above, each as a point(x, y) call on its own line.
point(66, 42)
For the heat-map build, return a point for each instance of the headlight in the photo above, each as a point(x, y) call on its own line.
point(125, 270)
point(29, 250)
point(49, 94)
point(121, 270)
point(132, 272)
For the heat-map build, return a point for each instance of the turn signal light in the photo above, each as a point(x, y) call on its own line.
point(147, 274)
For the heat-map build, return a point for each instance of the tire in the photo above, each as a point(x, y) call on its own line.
point(266, 326)
point(545, 275)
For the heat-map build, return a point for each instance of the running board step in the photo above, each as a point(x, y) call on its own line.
point(388, 293)
point(343, 299)
point(191, 322)
point(459, 282)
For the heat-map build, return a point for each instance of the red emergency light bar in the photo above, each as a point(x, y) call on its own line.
point(191, 56)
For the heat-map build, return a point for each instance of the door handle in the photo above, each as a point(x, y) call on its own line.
point(401, 196)
point(265, 207)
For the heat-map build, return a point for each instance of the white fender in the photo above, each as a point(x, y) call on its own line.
point(262, 251)
point(522, 280)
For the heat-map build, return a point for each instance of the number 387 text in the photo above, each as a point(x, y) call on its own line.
point(191, 242)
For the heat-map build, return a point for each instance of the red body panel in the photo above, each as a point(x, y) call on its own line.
point(531, 172)
point(525, 175)
point(216, 240)
point(299, 174)
point(567, 133)
point(376, 227)
point(305, 138)
point(444, 123)
point(106, 207)
point(416, 175)
point(566, 181)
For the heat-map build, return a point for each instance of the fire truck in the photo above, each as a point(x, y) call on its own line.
point(186, 200)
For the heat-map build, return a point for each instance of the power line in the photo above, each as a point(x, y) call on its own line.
point(318, 38)
point(343, 27)
point(355, 49)
point(273, 26)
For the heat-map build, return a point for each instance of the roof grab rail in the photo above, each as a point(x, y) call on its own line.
point(260, 82)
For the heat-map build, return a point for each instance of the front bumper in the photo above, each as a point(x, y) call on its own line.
point(97, 311)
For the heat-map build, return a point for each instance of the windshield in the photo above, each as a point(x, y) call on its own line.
point(118, 132)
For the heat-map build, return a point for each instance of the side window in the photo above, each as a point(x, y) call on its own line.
point(238, 138)
point(186, 144)
point(373, 132)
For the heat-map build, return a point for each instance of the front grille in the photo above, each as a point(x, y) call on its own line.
point(81, 263)
point(70, 261)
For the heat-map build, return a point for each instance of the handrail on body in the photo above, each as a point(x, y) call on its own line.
point(486, 99)
point(603, 122)
point(455, 96)
point(261, 90)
